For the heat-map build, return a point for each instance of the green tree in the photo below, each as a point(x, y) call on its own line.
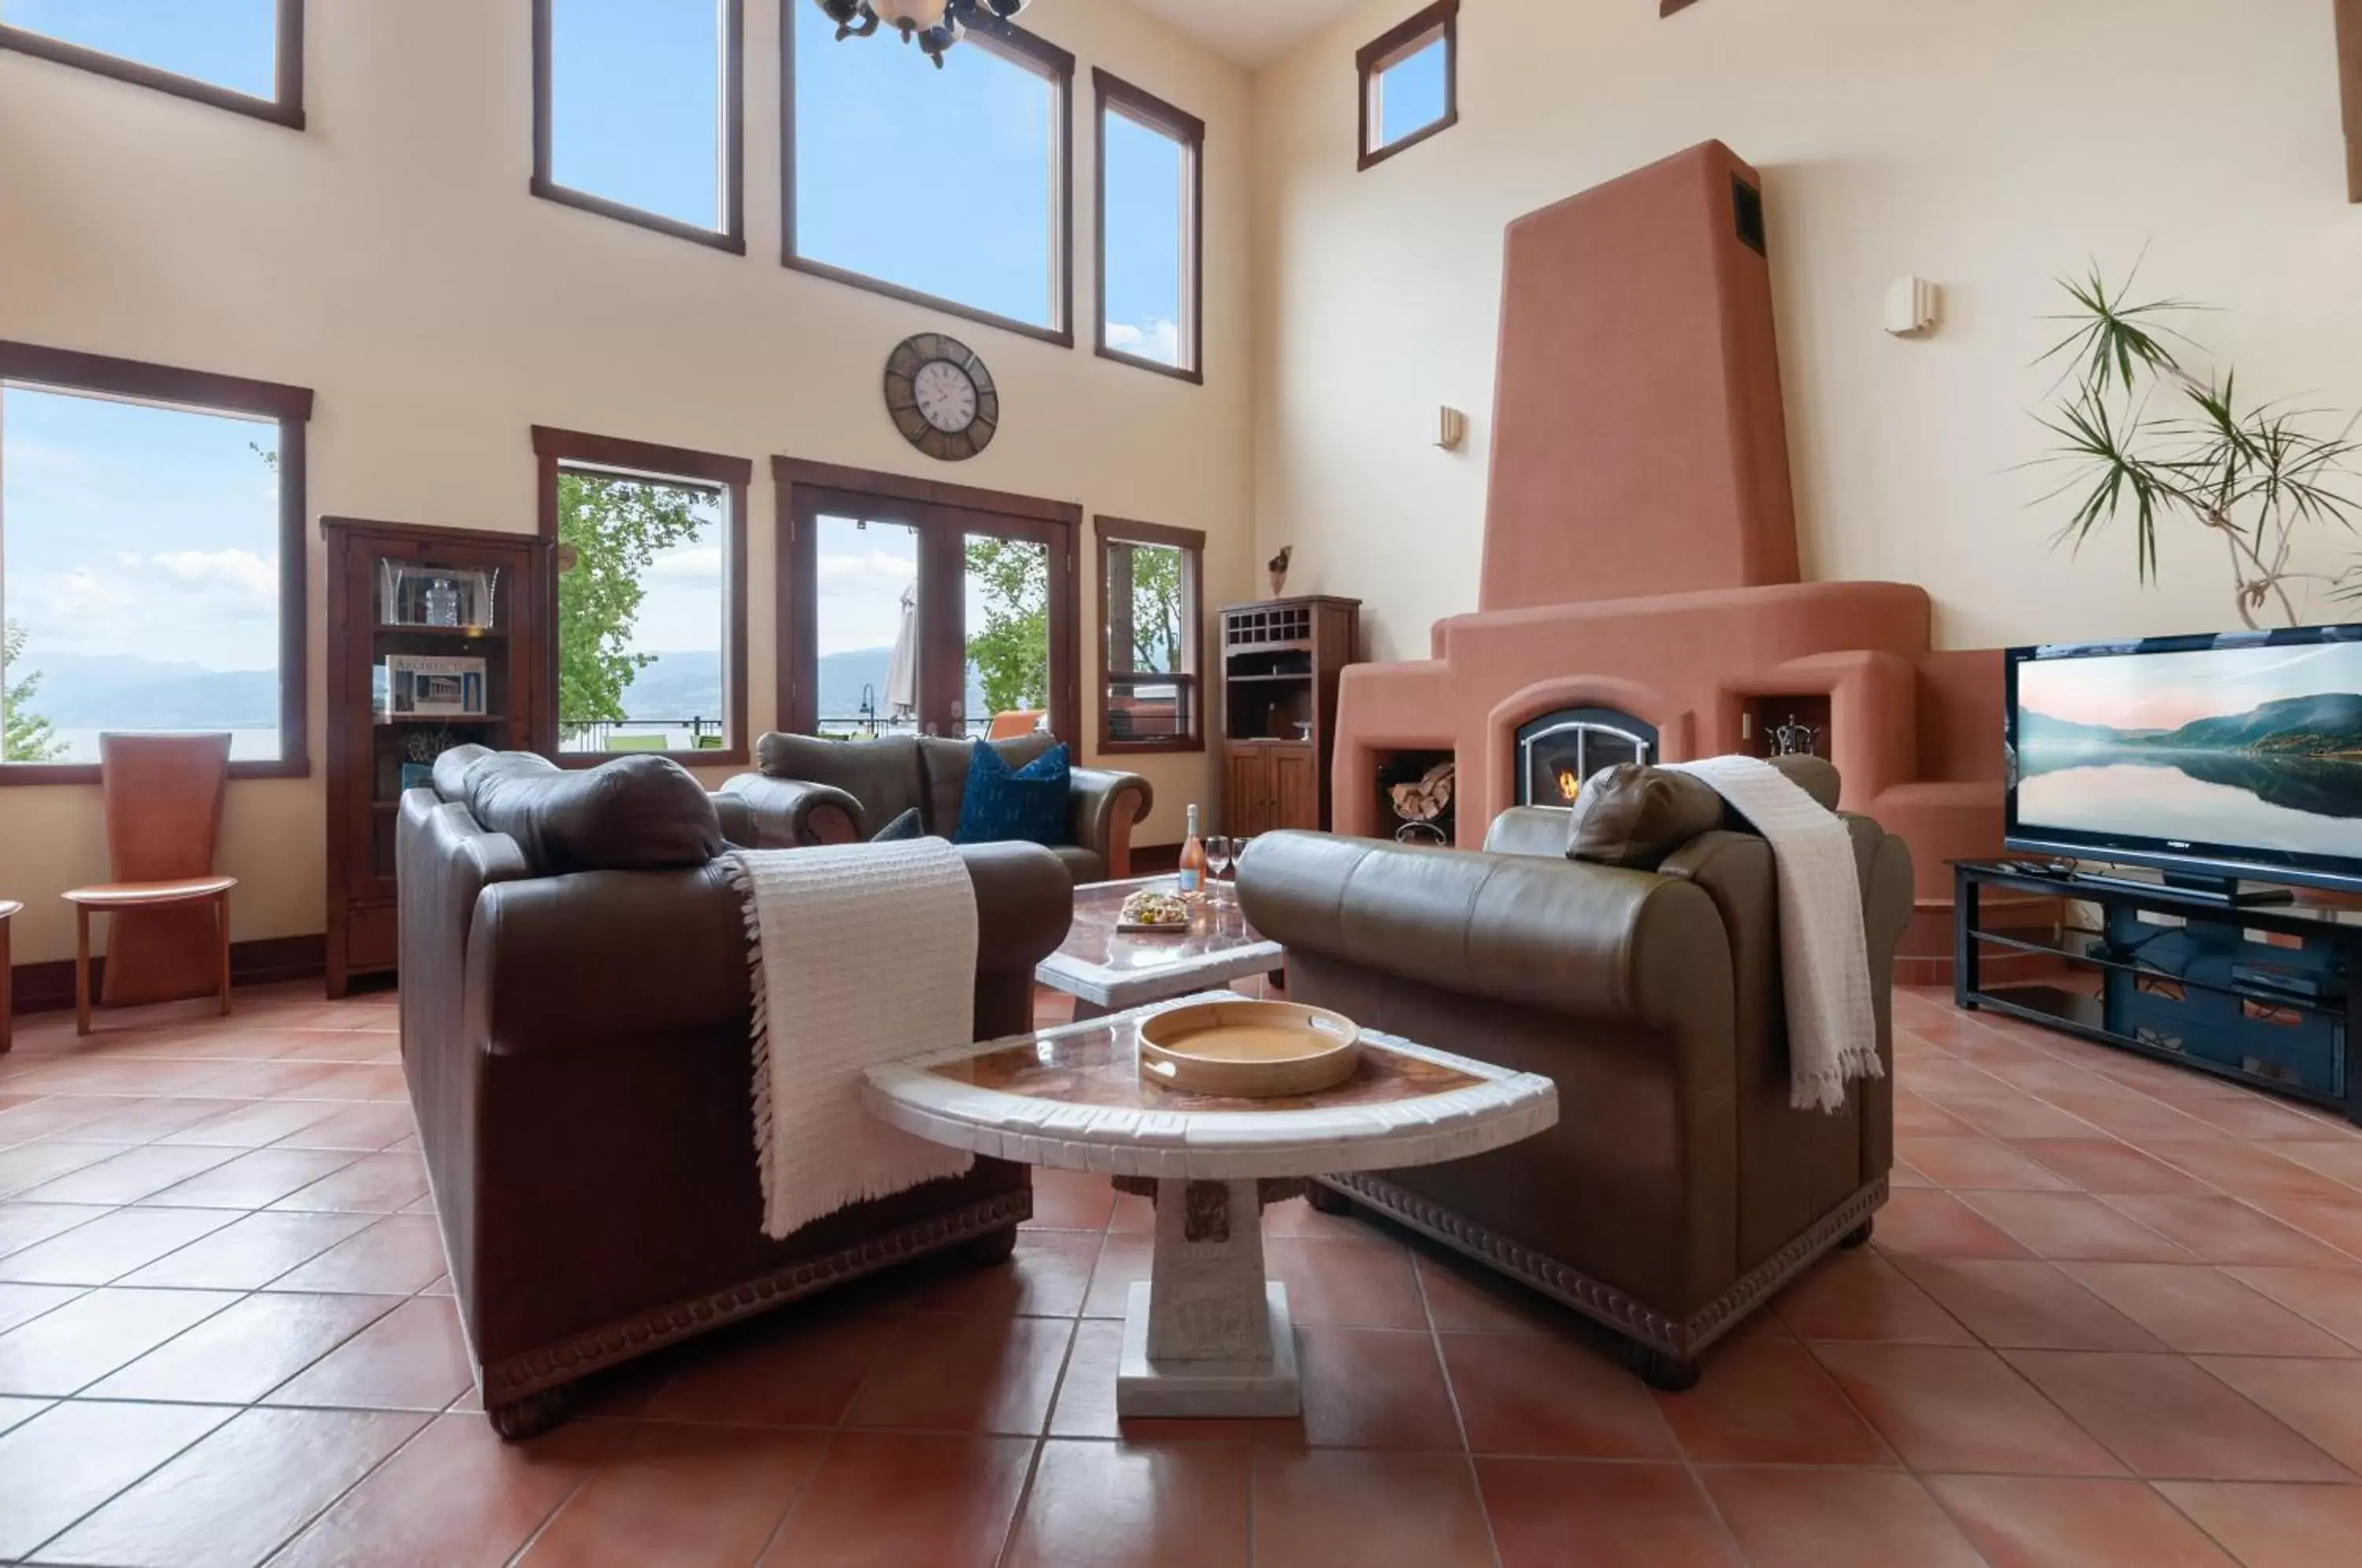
point(1155, 607)
point(25, 735)
point(612, 529)
point(1011, 649)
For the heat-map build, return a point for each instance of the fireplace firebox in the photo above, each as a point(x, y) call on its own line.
point(1557, 751)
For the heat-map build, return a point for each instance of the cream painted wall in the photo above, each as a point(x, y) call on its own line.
point(1989, 147)
point(390, 258)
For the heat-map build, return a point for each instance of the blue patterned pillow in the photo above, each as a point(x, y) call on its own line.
point(1025, 805)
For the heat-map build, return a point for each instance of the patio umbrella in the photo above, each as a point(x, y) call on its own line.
point(903, 670)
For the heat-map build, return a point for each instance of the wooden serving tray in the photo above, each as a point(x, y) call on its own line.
point(1255, 1049)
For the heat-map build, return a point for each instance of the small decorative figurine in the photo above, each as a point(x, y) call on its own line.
point(1277, 565)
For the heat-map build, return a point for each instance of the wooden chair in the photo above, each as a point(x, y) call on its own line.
point(170, 933)
point(1015, 724)
point(9, 908)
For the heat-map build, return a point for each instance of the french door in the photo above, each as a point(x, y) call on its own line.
point(912, 608)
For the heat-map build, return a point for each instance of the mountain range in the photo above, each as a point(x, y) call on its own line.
point(2327, 724)
point(79, 691)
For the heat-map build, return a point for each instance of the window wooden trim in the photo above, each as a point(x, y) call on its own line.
point(204, 393)
point(1012, 43)
point(732, 236)
point(285, 107)
point(620, 458)
point(2349, 74)
point(805, 489)
point(1406, 37)
point(1115, 92)
point(1191, 543)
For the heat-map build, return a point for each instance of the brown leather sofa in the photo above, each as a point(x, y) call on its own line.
point(575, 1030)
point(1679, 1191)
point(827, 791)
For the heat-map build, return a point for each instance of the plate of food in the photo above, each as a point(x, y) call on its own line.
point(1158, 910)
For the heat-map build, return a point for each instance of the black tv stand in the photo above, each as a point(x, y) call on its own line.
point(2226, 890)
point(2259, 993)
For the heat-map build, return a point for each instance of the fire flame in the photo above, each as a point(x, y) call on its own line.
point(1568, 785)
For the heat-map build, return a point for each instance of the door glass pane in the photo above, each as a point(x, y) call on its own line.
point(643, 609)
point(867, 627)
point(1008, 605)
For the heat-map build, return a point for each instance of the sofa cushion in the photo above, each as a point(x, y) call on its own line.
point(942, 768)
point(883, 774)
point(1004, 804)
point(1633, 815)
point(906, 827)
point(637, 814)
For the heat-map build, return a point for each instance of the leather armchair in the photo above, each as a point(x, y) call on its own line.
point(575, 1028)
point(1678, 1189)
point(826, 792)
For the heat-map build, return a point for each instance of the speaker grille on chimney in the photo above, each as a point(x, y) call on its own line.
point(1747, 208)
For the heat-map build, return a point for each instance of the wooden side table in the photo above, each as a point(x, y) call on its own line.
point(9, 908)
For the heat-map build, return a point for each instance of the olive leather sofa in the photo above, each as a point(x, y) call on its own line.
point(1678, 1190)
point(576, 1010)
point(811, 790)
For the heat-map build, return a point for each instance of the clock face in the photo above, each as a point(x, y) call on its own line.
point(945, 394)
point(940, 397)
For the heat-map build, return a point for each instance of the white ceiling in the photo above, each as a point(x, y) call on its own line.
point(1251, 33)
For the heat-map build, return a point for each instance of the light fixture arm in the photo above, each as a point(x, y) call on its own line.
point(937, 24)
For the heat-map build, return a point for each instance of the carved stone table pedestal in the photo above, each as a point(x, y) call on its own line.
point(1208, 1333)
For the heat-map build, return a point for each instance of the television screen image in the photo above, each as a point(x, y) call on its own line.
point(2244, 750)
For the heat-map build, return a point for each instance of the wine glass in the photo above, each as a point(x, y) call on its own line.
point(1218, 860)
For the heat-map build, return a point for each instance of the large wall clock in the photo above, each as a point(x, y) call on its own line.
point(941, 396)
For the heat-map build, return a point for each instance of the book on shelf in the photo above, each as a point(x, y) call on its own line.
point(427, 686)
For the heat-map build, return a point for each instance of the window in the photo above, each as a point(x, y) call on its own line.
point(1150, 197)
point(950, 188)
point(244, 55)
point(650, 583)
point(151, 561)
point(638, 113)
point(1151, 678)
point(1410, 81)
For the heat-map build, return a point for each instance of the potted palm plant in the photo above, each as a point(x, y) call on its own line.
point(2143, 434)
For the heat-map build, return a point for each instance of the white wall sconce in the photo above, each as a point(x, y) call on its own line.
point(1450, 428)
point(1912, 307)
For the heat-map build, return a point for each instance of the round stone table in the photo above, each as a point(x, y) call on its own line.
point(1207, 1334)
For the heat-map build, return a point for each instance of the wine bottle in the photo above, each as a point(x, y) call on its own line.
point(1193, 858)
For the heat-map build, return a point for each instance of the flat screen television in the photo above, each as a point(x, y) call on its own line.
point(2212, 758)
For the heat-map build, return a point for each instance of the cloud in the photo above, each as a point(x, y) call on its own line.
point(232, 575)
point(698, 563)
point(1160, 341)
point(861, 575)
point(217, 608)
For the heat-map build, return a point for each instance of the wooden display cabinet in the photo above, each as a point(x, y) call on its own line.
point(1280, 662)
point(456, 593)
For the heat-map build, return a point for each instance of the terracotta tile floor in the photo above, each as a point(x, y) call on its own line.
point(2113, 1315)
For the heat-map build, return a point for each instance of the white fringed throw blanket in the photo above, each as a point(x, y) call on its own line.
point(1824, 954)
point(861, 953)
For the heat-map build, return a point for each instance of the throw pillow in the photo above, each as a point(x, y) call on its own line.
point(1635, 816)
point(907, 825)
point(1021, 805)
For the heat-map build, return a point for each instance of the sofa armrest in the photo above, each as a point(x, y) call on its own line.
point(1584, 940)
point(1105, 806)
point(1538, 831)
point(789, 814)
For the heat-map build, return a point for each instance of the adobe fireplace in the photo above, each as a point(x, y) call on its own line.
point(1557, 751)
point(1640, 588)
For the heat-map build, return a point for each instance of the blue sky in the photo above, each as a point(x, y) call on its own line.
point(1410, 94)
point(230, 43)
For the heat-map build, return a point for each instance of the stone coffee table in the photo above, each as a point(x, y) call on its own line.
point(1207, 1334)
point(1105, 970)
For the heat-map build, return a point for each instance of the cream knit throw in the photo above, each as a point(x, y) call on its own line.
point(861, 953)
point(1824, 954)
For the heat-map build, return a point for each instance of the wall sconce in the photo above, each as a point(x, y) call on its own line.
point(1450, 428)
point(1912, 305)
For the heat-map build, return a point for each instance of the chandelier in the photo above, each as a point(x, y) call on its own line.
point(937, 24)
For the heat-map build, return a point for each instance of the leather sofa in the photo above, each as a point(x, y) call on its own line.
point(828, 791)
point(576, 1012)
point(1679, 1191)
